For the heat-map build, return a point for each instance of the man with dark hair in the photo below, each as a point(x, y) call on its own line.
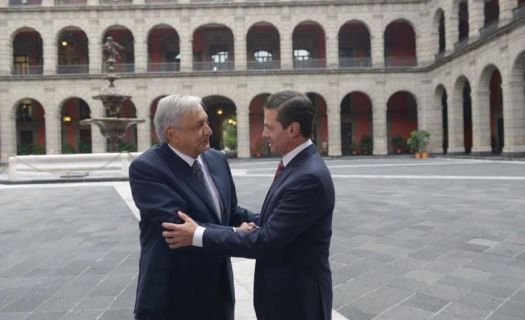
point(292, 273)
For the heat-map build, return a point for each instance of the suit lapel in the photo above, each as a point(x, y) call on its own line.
point(182, 170)
point(303, 155)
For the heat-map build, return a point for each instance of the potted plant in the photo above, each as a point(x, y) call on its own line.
point(418, 142)
point(367, 144)
point(399, 144)
point(354, 148)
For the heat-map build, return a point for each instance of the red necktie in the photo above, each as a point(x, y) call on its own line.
point(280, 169)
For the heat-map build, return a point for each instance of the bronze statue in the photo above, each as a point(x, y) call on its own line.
point(111, 52)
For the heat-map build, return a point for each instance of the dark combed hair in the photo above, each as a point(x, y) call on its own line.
point(293, 106)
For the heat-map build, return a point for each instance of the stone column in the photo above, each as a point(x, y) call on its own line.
point(185, 45)
point(286, 33)
point(239, 43)
point(138, 2)
point(8, 127)
point(433, 123)
point(451, 27)
point(377, 41)
point(98, 142)
point(48, 3)
point(142, 107)
point(6, 50)
point(455, 123)
point(243, 121)
point(4, 3)
point(93, 2)
point(49, 47)
point(379, 120)
point(505, 11)
point(480, 120)
point(53, 123)
point(476, 16)
point(333, 109)
point(95, 49)
point(424, 47)
point(514, 117)
point(141, 46)
point(332, 41)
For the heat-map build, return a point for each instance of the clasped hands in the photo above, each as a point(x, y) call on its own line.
point(181, 235)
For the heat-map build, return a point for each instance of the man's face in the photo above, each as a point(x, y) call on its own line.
point(278, 138)
point(193, 137)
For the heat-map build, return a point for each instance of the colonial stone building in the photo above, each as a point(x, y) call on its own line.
point(375, 70)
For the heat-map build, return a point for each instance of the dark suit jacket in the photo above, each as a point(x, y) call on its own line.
point(181, 284)
point(292, 273)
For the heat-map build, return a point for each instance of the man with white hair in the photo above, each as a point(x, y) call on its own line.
point(182, 173)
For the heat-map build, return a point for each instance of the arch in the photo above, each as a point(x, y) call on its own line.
point(439, 25)
point(28, 55)
point(401, 120)
point(213, 47)
point(75, 138)
point(152, 111)
point(517, 94)
point(222, 117)
point(163, 49)
point(123, 36)
point(400, 44)
point(491, 98)
point(354, 45)
point(30, 127)
point(320, 127)
point(258, 145)
point(263, 47)
point(73, 52)
point(356, 124)
point(309, 45)
point(463, 20)
point(441, 100)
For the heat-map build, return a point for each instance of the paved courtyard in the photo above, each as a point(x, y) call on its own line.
point(435, 239)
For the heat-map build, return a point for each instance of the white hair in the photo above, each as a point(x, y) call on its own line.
point(171, 110)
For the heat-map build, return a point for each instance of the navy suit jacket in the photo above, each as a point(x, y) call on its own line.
point(292, 272)
point(181, 284)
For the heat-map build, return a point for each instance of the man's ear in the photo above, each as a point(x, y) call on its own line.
point(295, 129)
point(170, 133)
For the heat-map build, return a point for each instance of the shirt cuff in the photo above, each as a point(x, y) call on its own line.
point(197, 237)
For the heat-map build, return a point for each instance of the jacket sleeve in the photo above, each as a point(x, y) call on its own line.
point(300, 205)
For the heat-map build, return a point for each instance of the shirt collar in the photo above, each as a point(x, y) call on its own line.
point(290, 155)
point(189, 160)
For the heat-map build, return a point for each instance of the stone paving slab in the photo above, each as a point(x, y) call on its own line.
point(402, 248)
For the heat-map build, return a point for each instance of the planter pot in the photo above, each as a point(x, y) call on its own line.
point(424, 155)
point(418, 155)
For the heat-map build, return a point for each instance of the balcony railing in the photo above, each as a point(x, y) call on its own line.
point(309, 64)
point(25, 2)
point(163, 66)
point(461, 44)
point(73, 68)
point(488, 29)
point(394, 62)
point(115, 2)
point(439, 55)
point(70, 2)
point(264, 65)
point(349, 63)
point(122, 68)
point(161, 1)
point(519, 12)
point(21, 70)
point(213, 66)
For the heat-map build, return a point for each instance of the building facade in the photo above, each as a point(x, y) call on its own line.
point(375, 70)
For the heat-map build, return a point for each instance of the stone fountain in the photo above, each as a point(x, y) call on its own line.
point(112, 126)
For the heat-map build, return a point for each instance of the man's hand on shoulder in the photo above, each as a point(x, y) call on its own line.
point(179, 235)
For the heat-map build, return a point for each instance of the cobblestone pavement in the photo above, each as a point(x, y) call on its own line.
point(434, 239)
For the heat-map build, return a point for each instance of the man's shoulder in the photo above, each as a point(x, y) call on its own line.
point(214, 154)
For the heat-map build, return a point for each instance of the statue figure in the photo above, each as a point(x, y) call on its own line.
point(111, 52)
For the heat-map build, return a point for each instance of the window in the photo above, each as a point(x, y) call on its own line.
point(301, 55)
point(262, 56)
